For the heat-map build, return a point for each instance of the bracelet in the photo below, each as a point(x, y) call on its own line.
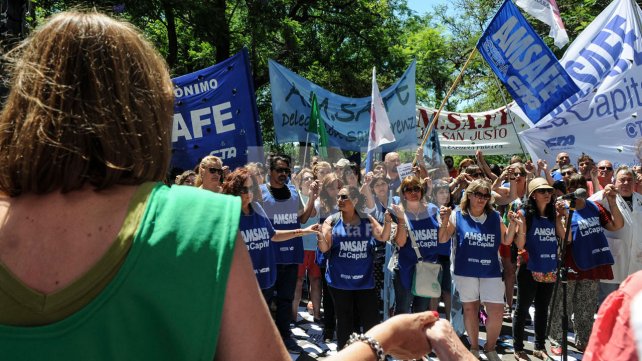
point(386, 221)
point(374, 344)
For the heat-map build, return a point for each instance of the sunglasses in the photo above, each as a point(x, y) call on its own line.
point(480, 195)
point(605, 168)
point(282, 170)
point(215, 170)
point(414, 189)
point(476, 175)
point(544, 191)
point(342, 197)
point(245, 190)
point(567, 173)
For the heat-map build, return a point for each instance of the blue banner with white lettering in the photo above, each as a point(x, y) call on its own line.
point(347, 120)
point(526, 66)
point(215, 113)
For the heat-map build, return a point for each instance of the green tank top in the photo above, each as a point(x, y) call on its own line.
point(166, 300)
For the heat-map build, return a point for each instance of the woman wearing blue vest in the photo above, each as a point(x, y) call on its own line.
point(418, 217)
point(256, 229)
point(478, 276)
point(589, 260)
point(347, 237)
point(535, 229)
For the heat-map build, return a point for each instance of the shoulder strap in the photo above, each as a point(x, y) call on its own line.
point(411, 235)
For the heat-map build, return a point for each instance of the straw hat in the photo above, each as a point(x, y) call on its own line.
point(538, 183)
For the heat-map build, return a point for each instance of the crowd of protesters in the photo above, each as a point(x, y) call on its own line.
point(489, 226)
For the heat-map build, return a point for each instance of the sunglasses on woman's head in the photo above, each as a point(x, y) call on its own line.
point(480, 195)
point(213, 170)
point(414, 189)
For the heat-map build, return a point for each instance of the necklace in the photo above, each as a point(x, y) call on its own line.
point(416, 214)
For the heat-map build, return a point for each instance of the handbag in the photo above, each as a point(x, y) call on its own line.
point(426, 282)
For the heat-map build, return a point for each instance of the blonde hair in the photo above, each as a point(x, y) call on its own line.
point(91, 101)
point(475, 186)
point(201, 167)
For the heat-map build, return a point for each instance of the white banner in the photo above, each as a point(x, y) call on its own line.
point(492, 132)
point(601, 120)
point(547, 12)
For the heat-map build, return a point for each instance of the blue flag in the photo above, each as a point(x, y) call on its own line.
point(215, 113)
point(526, 66)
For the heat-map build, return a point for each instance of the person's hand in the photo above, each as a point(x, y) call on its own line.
point(368, 178)
point(445, 343)
point(444, 213)
point(313, 228)
point(561, 209)
point(510, 171)
point(427, 184)
point(610, 192)
point(529, 166)
point(226, 172)
point(479, 156)
point(542, 165)
point(387, 217)
point(399, 211)
point(593, 171)
point(404, 336)
point(419, 155)
point(314, 189)
point(516, 218)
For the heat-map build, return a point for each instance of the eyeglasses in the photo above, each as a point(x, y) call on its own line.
point(305, 179)
point(282, 170)
point(244, 190)
point(544, 191)
point(414, 189)
point(215, 170)
point(515, 175)
point(568, 172)
point(480, 195)
point(342, 197)
point(605, 168)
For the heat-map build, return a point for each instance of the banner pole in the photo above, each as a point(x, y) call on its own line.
point(425, 135)
point(305, 151)
point(510, 115)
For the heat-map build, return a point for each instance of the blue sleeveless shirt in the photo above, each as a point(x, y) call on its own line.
point(541, 244)
point(425, 230)
point(257, 232)
point(284, 216)
point(477, 246)
point(590, 247)
point(350, 263)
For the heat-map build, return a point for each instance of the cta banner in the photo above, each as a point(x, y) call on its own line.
point(527, 67)
point(215, 113)
point(493, 132)
point(347, 120)
point(603, 119)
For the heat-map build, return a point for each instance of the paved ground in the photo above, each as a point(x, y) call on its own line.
point(309, 337)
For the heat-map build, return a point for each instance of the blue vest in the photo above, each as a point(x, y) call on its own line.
point(541, 244)
point(477, 246)
point(590, 248)
point(350, 263)
point(257, 232)
point(425, 231)
point(284, 216)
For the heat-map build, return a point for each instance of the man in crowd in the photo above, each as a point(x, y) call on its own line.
point(604, 173)
point(625, 243)
point(562, 159)
point(284, 208)
point(450, 163)
point(392, 161)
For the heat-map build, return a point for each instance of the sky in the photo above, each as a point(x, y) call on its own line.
point(423, 6)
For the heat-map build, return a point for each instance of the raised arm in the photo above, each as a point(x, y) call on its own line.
point(324, 240)
point(446, 229)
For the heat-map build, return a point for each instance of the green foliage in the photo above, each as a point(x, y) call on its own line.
point(334, 43)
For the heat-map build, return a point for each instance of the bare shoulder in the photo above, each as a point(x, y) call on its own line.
point(49, 240)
